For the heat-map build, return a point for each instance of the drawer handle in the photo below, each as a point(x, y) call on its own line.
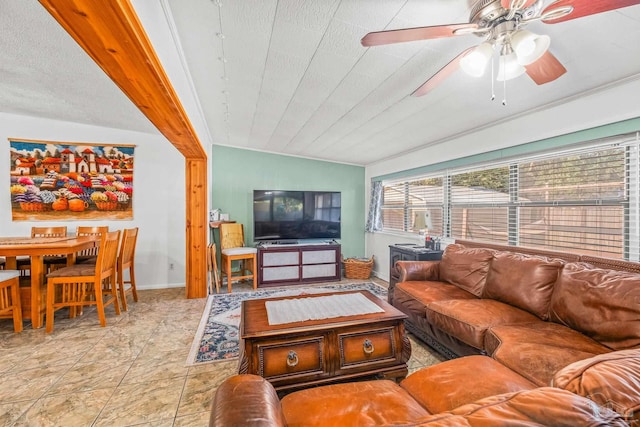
point(367, 346)
point(292, 359)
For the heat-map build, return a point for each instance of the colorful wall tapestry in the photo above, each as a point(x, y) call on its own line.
point(58, 181)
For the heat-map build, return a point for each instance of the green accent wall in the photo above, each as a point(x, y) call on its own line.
point(236, 173)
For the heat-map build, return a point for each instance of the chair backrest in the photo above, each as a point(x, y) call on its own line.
point(60, 231)
point(6, 303)
point(90, 231)
point(127, 251)
point(231, 236)
point(7, 282)
point(107, 255)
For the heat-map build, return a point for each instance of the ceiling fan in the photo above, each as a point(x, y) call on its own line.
point(501, 23)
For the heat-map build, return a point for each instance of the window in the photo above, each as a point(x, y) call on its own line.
point(582, 200)
point(414, 206)
point(480, 203)
point(575, 202)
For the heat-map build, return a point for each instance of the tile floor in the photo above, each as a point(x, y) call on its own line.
point(130, 373)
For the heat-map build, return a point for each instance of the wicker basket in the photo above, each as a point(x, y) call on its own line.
point(35, 206)
point(357, 269)
point(123, 206)
point(106, 206)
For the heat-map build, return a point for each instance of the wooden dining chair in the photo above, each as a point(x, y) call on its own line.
point(10, 298)
point(126, 262)
point(50, 262)
point(89, 255)
point(232, 248)
point(81, 285)
point(212, 269)
point(59, 231)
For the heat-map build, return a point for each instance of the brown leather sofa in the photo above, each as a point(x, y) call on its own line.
point(549, 339)
point(469, 391)
point(544, 315)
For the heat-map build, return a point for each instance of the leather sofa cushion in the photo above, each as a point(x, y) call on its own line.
point(524, 281)
point(415, 296)
point(364, 403)
point(466, 267)
point(538, 350)
point(611, 380)
point(602, 304)
point(447, 385)
point(545, 406)
point(468, 320)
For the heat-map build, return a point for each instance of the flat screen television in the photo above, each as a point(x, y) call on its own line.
point(286, 216)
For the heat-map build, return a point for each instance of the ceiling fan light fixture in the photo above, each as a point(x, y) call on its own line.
point(475, 63)
point(529, 47)
point(509, 67)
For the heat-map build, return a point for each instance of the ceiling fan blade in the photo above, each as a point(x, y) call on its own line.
point(526, 3)
point(441, 75)
point(546, 69)
point(586, 7)
point(410, 34)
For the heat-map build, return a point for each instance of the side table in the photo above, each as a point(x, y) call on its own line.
point(407, 252)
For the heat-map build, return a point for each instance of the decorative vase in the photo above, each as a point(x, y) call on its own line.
point(77, 205)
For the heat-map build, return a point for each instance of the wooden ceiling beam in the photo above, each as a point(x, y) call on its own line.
point(111, 33)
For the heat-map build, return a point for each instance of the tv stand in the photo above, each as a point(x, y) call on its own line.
point(294, 264)
point(284, 242)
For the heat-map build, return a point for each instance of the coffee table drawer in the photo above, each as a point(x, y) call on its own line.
point(302, 356)
point(367, 346)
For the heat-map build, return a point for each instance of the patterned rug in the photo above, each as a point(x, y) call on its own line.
point(217, 338)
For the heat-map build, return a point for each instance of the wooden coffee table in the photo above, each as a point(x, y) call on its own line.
point(312, 352)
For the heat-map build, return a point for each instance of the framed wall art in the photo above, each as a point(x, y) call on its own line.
point(58, 181)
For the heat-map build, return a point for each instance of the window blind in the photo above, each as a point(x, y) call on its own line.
point(414, 206)
point(584, 200)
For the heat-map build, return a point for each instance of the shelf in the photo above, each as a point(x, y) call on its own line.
point(297, 264)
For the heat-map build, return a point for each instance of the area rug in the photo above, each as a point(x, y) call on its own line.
point(217, 338)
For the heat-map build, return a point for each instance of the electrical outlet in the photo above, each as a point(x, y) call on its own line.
point(171, 266)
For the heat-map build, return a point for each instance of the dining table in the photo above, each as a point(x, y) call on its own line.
point(37, 248)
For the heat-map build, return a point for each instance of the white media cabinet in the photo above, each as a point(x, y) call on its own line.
point(293, 264)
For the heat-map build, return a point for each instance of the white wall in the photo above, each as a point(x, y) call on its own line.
point(614, 104)
point(158, 200)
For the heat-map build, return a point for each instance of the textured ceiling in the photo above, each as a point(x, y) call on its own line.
point(291, 77)
point(44, 73)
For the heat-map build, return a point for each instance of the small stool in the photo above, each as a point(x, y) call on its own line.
point(10, 297)
point(453, 383)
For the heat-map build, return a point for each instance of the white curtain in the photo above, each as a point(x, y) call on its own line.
point(374, 216)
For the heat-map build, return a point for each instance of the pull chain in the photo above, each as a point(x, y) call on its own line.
point(504, 83)
point(504, 92)
point(493, 92)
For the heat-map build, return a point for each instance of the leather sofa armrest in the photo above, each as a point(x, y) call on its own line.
point(418, 270)
point(246, 400)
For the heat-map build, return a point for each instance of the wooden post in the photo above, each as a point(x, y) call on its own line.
point(197, 227)
point(112, 35)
